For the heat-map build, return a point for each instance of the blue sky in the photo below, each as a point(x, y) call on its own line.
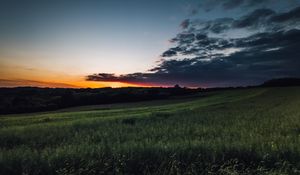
point(66, 40)
point(98, 34)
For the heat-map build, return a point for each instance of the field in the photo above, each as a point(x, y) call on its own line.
point(246, 131)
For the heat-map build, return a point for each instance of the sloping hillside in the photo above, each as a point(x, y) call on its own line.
point(250, 131)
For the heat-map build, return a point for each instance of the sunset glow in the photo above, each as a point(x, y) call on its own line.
point(118, 44)
point(149, 87)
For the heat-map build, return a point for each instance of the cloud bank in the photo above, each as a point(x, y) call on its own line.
point(209, 5)
point(258, 46)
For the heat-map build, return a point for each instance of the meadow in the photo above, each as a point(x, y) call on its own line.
point(241, 131)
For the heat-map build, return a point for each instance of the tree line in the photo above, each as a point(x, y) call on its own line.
point(33, 99)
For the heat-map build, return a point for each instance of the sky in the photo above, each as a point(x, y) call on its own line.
point(116, 43)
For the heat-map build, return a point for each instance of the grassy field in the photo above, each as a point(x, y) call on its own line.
point(248, 131)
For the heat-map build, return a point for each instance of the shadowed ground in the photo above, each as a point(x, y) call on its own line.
point(247, 131)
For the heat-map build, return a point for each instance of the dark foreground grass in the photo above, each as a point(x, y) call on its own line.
point(254, 131)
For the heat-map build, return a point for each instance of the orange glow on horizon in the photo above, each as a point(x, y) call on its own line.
point(95, 84)
point(60, 84)
point(13, 75)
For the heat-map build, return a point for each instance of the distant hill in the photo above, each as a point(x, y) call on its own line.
point(282, 82)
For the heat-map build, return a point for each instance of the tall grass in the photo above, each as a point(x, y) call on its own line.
point(255, 131)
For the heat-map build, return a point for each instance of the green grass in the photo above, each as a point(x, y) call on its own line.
point(253, 131)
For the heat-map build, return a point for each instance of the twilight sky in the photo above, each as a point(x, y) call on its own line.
point(97, 43)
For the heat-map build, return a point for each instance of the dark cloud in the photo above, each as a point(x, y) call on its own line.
point(244, 5)
point(198, 43)
point(215, 26)
point(102, 77)
point(136, 78)
point(219, 25)
point(259, 18)
point(269, 49)
point(254, 19)
point(185, 24)
point(169, 53)
point(291, 15)
point(231, 4)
